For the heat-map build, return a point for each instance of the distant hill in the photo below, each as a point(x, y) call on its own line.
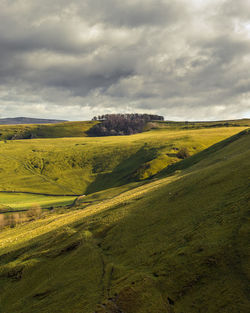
point(28, 120)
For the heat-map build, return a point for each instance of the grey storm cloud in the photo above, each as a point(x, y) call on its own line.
point(133, 13)
point(75, 59)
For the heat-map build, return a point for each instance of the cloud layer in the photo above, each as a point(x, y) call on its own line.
point(74, 59)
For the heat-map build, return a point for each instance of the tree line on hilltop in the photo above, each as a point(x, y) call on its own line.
point(121, 124)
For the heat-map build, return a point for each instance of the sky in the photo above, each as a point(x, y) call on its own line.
point(183, 59)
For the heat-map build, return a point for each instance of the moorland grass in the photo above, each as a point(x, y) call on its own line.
point(176, 244)
point(58, 130)
point(21, 201)
point(81, 129)
point(76, 166)
point(198, 125)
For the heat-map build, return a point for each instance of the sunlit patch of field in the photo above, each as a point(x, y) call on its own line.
point(22, 201)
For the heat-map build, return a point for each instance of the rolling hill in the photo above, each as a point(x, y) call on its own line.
point(178, 243)
point(76, 166)
point(203, 124)
point(56, 130)
point(82, 129)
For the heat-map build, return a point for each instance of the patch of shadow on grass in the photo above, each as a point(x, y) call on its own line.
point(123, 172)
point(70, 247)
point(42, 295)
point(16, 273)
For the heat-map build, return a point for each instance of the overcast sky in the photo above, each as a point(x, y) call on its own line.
point(184, 59)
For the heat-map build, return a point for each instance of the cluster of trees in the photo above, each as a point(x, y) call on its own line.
point(129, 116)
point(121, 124)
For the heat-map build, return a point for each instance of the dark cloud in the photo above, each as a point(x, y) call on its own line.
point(186, 60)
point(239, 9)
point(132, 13)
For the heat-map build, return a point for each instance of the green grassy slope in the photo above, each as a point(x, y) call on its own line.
point(70, 166)
point(59, 130)
point(20, 201)
point(176, 244)
point(197, 125)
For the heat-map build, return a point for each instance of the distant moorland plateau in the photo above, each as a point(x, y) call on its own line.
point(28, 120)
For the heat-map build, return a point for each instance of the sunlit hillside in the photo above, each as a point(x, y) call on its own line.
point(76, 166)
point(175, 244)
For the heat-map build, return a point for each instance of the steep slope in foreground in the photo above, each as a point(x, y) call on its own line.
point(177, 244)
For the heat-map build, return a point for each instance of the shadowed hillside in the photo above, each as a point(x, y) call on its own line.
point(176, 244)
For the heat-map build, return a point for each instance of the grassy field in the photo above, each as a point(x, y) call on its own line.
point(76, 166)
point(59, 130)
point(199, 125)
point(174, 244)
point(21, 201)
